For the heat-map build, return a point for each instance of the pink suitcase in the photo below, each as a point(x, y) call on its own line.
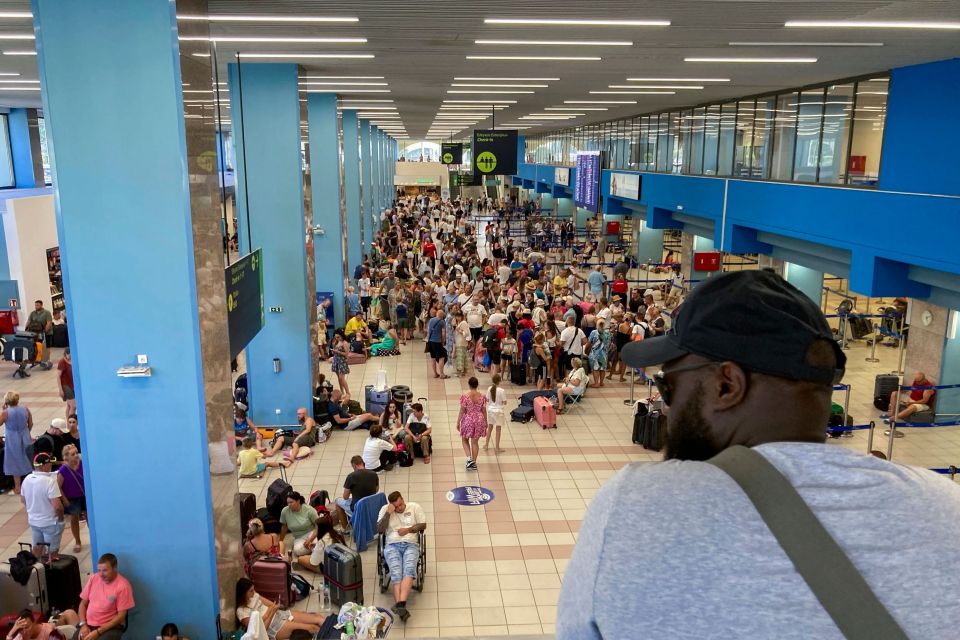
point(544, 412)
point(271, 579)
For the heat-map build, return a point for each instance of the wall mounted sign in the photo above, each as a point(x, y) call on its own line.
point(625, 185)
point(470, 496)
point(586, 193)
point(561, 176)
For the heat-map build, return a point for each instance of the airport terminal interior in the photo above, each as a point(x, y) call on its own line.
point(438, 237)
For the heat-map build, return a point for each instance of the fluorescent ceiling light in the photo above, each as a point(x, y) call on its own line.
point(563, 43)
point(806, 44)
point(369, 107)
point(17, 36)
point(517, 86)
point(599, 102)
point(597, 23)
point(513, 79)
point(38, 82)
point(342, 100)
point(750, 60)
point(487, 102)
point(482, 91)
point(271, 39)
point(234, 18)
point(12, 74)
point(19, 53)
point(633, 93)
point(346, 90)
point(342, 78)
point(546, 117)
point(871, 24)
point(678, 79)
point(306, 55)
point(575, 108)
point(343, 84)
point(20, 89)
point(15, 14)
point(571, 58)
point(655, 86)
point(457, 106)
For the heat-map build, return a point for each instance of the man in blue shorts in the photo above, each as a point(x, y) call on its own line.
point(359, 484)
point(401, 521)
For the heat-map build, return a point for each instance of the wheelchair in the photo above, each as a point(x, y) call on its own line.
point(383, 571)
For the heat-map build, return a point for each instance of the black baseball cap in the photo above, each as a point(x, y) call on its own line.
point(754, 318)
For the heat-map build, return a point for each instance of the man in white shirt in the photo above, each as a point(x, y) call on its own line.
point(417, 430)
point(41, 496)
point(475, 314)
point(748, 369)
point(572, 341)
point(504, 273)
point(400, 522)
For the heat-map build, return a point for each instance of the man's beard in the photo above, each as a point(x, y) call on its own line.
point(688, 432)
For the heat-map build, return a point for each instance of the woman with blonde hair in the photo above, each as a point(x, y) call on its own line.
point(70, 481)
point(19, 422)
point(259, 544)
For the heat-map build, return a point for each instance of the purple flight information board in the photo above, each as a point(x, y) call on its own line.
point(586, 192)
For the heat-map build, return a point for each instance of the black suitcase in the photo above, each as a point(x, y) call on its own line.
point(883, 385)
point(6, 482)
point(518, 373)
point(15, 597)
point(247, 505)
point(653, 434)
point(277, 494)
point(63, 583)
point(61, 338)
point(343, 573)
point(270, 523)
point(523, 413)
point(526, 399)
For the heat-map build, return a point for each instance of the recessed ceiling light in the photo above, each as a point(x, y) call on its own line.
point(484, 91)
point(570, 58)
point(487, 102)
point(633, 93)
point(570, 22)
point(271, 39)
point(15, 14)
point(342, 78)
point(678, 79)
point(516, 86)
point(575, 109)
point(233, 18)
point(369, 107)
point(38, 82)
point(17, 36)
point(750, 60)
point(871, 24)
point(346, 90)
point(470, 107)
point(599, 102)
point(342, 100)
point(547, 117)
point(558, 115)
point(562, 43)
point(342, 84)
point(19, 53)
point(655, 86)
point(20, 89)
point(242, 55)
point(514, 79)
point(806, 44)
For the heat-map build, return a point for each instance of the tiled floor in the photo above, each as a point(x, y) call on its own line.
point(496, 569)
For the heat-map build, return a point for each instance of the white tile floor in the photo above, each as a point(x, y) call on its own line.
point(493, 570)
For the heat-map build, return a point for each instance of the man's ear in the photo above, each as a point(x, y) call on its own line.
point(729, 385)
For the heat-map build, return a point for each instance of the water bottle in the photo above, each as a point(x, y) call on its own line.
point(326, 598)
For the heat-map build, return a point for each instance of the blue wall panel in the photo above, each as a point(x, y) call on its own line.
point(351, 182)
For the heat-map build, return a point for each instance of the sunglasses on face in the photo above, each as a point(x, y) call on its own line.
point(663, 385)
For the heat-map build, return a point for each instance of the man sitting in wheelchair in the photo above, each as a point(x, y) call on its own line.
point(400, 522)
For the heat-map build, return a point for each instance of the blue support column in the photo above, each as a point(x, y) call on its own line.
point(809, 281)
point(367, 188)
point(25, 148)
point(376, 166)
point(265, 111)
point(326, 176)
point(948, 400)
point(351, 184)
point(649, 242)
point(122, 166)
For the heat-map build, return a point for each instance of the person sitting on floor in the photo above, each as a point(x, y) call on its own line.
point(342, 417)
point(323, 534)
point(25, 628)
point(379, 451)
point(104, 603)
point(360, 483)
point(252, 464)
point(260, 544)
point(913, 401)
point(388, 345)
point(416, 431)
point(279, 623)
point(306, 438)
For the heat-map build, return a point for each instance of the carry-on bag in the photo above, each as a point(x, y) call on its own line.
point(343, 573)
point(23, 582)
point(271, 579)
point(883, 385)
point(247, 505)
point(523, 413)
point(518, 373)
point(545, 413)
point(277, 494)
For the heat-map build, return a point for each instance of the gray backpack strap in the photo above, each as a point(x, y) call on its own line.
point(827, 570)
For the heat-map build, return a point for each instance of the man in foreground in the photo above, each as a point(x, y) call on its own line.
point(678, 549)
point(104, 603)
point(400, 522)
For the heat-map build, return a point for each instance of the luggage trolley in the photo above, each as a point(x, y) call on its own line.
point(383, 571)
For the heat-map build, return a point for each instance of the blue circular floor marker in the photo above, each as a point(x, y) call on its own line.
point(470, 496)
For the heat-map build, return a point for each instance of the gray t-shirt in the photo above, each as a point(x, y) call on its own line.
point(677, 550)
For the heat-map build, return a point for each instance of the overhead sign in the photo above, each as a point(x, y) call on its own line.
point(464, 179)
point(451, 152)
point(586, 193)
point(470, 496)
point(244, 300)
point(561, 176)
point(625, 185)
point(495, 151)
point(417, 181)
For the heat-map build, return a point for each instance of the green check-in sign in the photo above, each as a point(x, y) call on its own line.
point(495, 151)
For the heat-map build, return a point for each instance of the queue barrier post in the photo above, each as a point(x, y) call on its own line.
point(903, 318)
point(633, 374)
point(846, 409)
point(870, 433)
point(873, 347)
point(892, 434)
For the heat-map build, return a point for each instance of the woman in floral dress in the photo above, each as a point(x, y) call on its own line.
point(472, 422)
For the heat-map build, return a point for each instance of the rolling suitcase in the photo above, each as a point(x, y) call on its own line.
point(545, 413)
point(32, 595)
point(343, 573)
point(247, 505)
point(883, 385)
point(63, 583)
point(654, 432)
point(277, 494)
point(518, 373)
point(271, 578)
point(523, 413)
point(60, 337)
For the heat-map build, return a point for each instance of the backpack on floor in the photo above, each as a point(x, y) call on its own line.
point(523, 413)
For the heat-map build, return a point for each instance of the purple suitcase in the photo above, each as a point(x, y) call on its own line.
point(271, 579)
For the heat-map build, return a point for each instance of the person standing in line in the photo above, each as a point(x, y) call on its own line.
point(472, 422)
point(436, 329)
point(70, 481)
point(496, 412)
point(464, 337)
point(599, 346)
point(40, 495)
point(18, 421)
point(65, 382)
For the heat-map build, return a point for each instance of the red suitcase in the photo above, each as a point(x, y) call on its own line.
point(544, 412)
point(271, 579)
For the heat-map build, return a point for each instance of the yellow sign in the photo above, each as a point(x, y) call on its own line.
point(448, 158)
point(487, 162)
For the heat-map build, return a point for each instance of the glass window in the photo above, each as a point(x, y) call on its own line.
point(45, 155)
point(6, 158)
point(727, 138)
point(743, 140)
point(785, 132)
point(681, 153)
point(764, 113)
point(869, 114)
point(664, 143)
point(695, 165)
point(711, 138)
point(807, 153)
point(835, 139)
